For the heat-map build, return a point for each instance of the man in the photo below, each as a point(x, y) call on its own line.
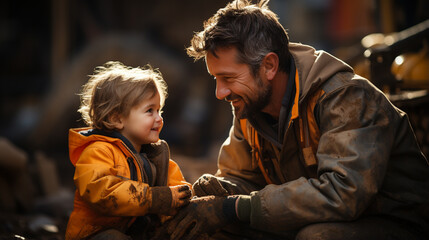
point(315, 151)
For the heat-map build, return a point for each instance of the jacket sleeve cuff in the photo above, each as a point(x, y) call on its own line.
point(161, 199)
point(243, 208)
point(228, 208)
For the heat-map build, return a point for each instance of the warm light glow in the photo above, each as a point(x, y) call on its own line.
point(367, 53)
point(389, 40)
point(399, 60)
point(372, 40)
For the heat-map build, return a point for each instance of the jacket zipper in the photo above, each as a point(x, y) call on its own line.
point(136, 160)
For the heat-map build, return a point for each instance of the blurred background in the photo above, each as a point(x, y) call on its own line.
point(48, 49)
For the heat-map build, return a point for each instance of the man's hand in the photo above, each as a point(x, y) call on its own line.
point(201, 218)
point(208, 184)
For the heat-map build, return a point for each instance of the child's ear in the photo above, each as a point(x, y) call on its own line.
point(116, 121)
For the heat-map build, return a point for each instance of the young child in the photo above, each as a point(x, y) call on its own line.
point(122, 169)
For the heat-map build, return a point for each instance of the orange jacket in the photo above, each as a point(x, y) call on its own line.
point(106, 195)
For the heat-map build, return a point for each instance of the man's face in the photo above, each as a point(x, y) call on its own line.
point(236, 84)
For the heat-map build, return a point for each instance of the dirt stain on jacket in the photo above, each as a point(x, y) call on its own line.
point(114, 200)
point(137, 195)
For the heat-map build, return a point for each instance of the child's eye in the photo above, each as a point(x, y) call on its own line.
point(150, 110)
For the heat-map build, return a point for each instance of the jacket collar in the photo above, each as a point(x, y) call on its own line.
point(289, 101)
point(113, 134)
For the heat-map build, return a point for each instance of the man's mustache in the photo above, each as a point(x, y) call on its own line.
point(231, 97)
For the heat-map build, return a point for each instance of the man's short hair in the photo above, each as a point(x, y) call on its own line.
point(252, 28)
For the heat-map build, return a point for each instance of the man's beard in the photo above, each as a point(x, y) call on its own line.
point(252, 107)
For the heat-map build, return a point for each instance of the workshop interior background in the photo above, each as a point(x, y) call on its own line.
point(48, 49)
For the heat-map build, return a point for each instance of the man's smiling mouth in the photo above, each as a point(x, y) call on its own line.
point(235, 102)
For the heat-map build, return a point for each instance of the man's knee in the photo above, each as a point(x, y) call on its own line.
point(111, 234)
point(320, 231)
point(364, 228)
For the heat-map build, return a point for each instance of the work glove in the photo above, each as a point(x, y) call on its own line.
point(208, 184)
point(202, 217)
point(167, 200)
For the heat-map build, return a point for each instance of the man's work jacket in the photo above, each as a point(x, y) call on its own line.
point(346, 152)
point(112, 181)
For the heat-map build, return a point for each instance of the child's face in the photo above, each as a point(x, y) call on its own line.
point(144, 123)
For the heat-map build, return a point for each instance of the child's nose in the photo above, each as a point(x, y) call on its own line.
point(158, 117)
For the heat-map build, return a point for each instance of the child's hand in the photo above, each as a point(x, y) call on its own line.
point(181, 195)
point(167, 200)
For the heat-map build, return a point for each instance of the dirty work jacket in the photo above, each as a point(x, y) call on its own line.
point(346, 152)
point(112, 186)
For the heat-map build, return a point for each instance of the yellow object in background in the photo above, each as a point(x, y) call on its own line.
point(412, 69)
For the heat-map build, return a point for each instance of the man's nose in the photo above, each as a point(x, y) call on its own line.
point(222, 91)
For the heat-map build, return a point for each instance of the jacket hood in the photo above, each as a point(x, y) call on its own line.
point(78, 142)
point(314, 67)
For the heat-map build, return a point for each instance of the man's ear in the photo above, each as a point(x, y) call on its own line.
point(116, 121)
point(270, 65)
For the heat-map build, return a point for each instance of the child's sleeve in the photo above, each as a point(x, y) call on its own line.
point(175, 176)
point(106, 186)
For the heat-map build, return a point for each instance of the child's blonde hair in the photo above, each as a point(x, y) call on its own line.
point(114, 89)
